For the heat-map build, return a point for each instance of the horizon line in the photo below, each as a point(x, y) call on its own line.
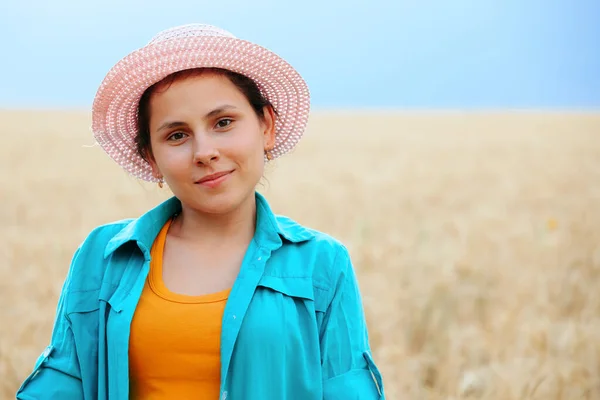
point(367, 109)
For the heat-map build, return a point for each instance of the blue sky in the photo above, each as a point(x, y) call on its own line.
point(354, 54)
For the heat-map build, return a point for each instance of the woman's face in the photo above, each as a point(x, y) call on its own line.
point(208, 143)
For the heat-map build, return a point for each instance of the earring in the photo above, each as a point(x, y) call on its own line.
point(161, 182)
point(269, 155)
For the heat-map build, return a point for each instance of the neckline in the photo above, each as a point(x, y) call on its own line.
point(155, 277)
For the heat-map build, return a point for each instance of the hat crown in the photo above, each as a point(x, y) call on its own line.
point(190, 30)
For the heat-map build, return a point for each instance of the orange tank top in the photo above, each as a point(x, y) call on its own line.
point(174, 347)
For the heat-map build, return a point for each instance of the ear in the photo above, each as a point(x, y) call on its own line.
point(153, 165)
point(268, 128)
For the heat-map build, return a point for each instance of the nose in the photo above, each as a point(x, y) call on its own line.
point(205, 152)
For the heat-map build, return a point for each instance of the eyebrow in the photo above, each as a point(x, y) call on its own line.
point(177, 124)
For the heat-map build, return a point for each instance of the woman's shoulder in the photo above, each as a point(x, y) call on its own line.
point(329, 253)
point(295, 231)
point(317, 255)
point(98, 237)
point(89, 261)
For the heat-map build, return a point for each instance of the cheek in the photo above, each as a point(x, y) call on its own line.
point(256, 159)
point(249, 150)
point(172, 160)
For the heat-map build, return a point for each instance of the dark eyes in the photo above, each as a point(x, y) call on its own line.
point(177, 136)
point(224, 122)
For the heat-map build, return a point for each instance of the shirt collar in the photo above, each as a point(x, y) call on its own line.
point(270, 228)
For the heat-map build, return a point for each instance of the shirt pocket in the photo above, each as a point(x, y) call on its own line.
point(281, 314)
point(300, 288)
point(83, 302)
point(83, 310)
point(279, 340)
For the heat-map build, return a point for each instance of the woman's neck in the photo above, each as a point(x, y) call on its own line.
point(237, 226)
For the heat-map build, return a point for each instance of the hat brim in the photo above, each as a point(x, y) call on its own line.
point(115, 107)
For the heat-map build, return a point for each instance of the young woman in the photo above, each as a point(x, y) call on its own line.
point(209, 295)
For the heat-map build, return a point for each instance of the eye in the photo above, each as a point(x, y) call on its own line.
point(176, 136)
point(223, 123)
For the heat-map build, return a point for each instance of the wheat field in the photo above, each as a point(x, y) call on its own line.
point(476, 238)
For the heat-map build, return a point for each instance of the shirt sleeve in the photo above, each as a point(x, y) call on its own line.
point(56, 373)
point(349, 371)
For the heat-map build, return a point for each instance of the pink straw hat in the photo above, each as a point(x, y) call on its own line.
point(115, 108)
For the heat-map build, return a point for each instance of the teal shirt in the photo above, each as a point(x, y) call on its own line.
point(293, 326)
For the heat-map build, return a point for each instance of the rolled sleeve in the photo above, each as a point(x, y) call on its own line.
point(56, 373)
point(349, 371)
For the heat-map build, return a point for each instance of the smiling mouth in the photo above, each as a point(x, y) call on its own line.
point(214, 180)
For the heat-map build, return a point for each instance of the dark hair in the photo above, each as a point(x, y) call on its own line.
point(246, 85)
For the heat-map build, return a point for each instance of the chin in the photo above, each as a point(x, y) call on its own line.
point(218, 203)
point(216, 208)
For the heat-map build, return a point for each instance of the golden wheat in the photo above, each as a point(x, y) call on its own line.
point(476, 238)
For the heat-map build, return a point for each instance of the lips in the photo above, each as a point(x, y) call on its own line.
point(213, 181)
point(213, 177)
